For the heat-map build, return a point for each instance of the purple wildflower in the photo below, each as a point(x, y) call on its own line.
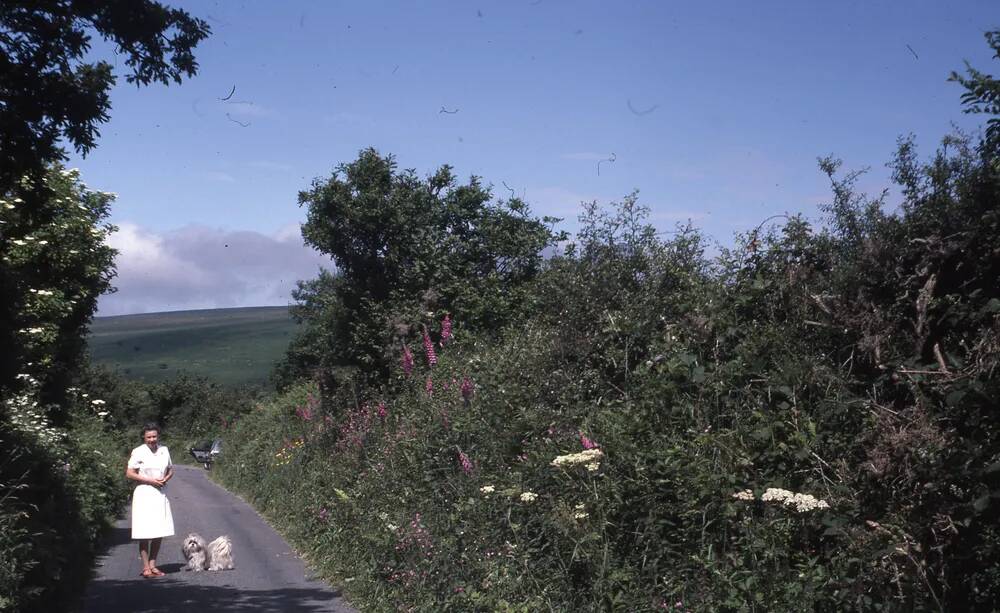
point(465, 461)
point(446, 329)
point(429, 349)
point(429, 387)
point(586, 442)
point(382, 411)
point(468, 389)
point(407, 360)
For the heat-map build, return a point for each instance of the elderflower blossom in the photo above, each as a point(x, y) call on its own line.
point(487, 489)
point(528, 497)
point(802, 503)
point(744, 495)
point(97, 403)
point(590, 457)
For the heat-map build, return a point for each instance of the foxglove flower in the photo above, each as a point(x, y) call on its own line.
point(446, 329)
point(586, 442)
point(465, 461)
point(429, 387)
point(382, 412)
point(468, 389)
point(429, 349)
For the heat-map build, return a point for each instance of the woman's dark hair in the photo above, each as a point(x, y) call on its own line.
point(152, 425)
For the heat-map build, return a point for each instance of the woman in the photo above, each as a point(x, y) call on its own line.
point(151, 467)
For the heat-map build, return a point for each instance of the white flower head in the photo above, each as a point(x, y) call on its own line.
point(528, 497)
point(589, 457)
point(744, 495)
point(487, 489)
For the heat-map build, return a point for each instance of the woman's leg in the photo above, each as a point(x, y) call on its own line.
point(144, 554)
point(154, 550)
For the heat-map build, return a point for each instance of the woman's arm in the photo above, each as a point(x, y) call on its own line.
point(133, 474)
point(169, 475)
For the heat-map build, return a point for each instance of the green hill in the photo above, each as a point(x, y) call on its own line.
point(231, 346)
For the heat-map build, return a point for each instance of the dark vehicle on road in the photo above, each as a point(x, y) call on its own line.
point(206, 452)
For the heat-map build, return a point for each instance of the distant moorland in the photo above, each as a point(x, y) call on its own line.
point(231, 346)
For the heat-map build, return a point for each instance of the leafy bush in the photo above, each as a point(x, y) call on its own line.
point(802, 423)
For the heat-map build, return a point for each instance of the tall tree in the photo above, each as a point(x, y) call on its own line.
point(404, 247)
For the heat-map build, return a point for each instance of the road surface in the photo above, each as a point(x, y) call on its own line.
point(268, 577)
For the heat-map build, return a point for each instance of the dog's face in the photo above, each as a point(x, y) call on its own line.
point(193, 544)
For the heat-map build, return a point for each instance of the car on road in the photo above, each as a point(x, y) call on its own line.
point(207, 452)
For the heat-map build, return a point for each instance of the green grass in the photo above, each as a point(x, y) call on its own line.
point(231, 346)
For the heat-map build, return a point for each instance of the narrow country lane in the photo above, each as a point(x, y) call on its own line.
point(268, 577)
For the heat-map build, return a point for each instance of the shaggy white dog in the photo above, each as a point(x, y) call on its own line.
point(220, 554)
point(195, 552)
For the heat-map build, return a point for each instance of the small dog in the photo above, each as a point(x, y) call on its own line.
point(217, 555)
point(220, 554)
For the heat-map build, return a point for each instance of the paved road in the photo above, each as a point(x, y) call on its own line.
point(268, 577)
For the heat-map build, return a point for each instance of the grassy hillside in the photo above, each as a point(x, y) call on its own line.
point(232, 346)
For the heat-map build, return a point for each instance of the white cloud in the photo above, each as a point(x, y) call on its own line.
point(196, 267)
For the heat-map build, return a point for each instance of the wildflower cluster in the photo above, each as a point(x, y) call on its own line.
point(415, 537)
point(307, 412)
point(744, 495)
point(287, 451)
point(802, 503)
point(591, 458)
point(529, 497)
point(354, 431)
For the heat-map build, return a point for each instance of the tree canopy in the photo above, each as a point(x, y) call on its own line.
point(405, 247)
point(50, 86)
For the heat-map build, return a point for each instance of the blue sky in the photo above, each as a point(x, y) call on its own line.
point(716, 112)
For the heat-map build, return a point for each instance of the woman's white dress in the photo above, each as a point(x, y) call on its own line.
point(151, 516)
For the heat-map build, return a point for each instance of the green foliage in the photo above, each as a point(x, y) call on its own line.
point(403, 247)
point(982, 93)
point(57, 493)
point(803, 423)
point(53, 89)
point(54, 263)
